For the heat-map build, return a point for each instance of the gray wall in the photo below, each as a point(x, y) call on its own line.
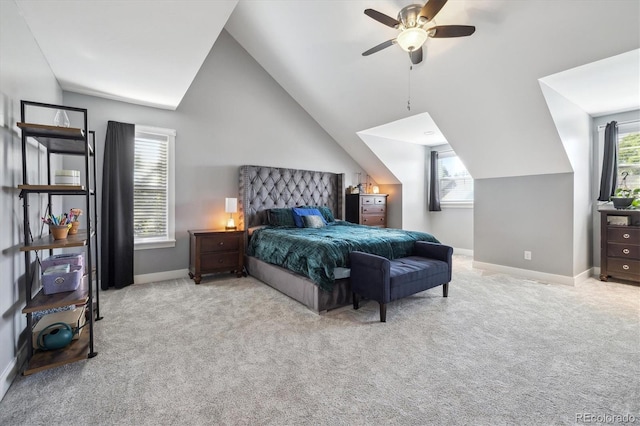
point(234, 113)
point(24, 75)
point(533, 213)
point(574, 128)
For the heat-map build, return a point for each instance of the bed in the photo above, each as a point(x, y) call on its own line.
point(309, 265)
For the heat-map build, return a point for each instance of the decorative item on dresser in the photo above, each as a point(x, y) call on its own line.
point(620, 244)
point(367, 209)
point(215, 251)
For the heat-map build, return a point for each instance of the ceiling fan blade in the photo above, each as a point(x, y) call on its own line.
point(431, 9)
point(446, 31)
point(382, 18)
point(379, 47)
point(416, 56)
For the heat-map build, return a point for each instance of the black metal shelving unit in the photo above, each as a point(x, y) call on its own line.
point(62, 141)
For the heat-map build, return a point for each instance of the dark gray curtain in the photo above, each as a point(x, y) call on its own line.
point(608, 181)
point(434, 185)
point(116, 242)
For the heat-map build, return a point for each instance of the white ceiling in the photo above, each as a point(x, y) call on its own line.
point(603, 87)
point(136, 51)
point(482, 90)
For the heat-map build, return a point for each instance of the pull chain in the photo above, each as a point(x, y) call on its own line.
point(409, 94)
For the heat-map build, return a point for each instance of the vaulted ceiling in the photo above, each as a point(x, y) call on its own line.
point(482, 91)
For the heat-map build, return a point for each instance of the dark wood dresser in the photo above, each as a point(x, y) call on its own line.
point(215, 251)
point(367, 209)
point(620, 244)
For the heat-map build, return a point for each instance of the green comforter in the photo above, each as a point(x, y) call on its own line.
point(315, 252)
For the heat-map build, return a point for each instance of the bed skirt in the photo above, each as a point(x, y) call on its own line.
point(300, 288)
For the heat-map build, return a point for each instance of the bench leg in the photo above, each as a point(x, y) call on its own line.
point(445, 290)
point(356, 301)
point(383, 312)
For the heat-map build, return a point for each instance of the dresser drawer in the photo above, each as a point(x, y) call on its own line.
point(217, 243)
point(374, 219)
point(215, 261)
point(621, 250)
point(374, 209)
point(623, 234)
point(623, 266)
point(369, 199)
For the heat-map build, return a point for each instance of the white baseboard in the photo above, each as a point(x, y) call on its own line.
point(160, 276)
point(533, 275)
point(465, 252)
point(10, 373)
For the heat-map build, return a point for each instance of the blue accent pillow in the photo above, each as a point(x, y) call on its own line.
point(299, 212)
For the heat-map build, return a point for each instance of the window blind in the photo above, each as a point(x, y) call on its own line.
point(456, 184)
point(151, 189)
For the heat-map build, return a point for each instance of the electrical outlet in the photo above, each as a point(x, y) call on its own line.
point(527, 255)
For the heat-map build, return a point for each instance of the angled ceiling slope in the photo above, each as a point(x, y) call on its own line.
point(135, 51)
point(482, 91)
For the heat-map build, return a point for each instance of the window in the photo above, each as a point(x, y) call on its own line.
point(456, 184)
point(629, 155)
point(153, 187)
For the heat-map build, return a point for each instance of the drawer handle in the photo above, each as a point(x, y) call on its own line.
point(625, 251)
point(381, 219)
point(625, 267)
point(220, 261)
point(625, 235)
point(221, 243)
point(366, 210)
point(364, 220)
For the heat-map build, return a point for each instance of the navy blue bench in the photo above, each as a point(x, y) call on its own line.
point(383, 280)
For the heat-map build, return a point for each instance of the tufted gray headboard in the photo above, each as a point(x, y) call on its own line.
point(262, 188)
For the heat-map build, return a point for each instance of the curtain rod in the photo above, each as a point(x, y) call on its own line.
point(621, 123)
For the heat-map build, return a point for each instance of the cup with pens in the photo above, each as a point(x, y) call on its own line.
point(58, 226)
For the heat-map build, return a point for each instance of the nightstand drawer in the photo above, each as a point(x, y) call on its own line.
point(215, 261)
point(218, 243)
point(626, 251)
point(623, 234)
point(623, 266)
point(374, 220)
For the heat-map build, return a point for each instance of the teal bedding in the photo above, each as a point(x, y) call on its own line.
point(316, 252)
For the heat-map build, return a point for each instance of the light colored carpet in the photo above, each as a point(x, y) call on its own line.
point(499, 350)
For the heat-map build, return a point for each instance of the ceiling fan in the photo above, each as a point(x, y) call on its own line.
point(416, 24)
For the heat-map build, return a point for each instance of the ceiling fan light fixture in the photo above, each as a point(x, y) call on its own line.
point(411, 39)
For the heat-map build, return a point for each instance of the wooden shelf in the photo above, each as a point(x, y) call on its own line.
point(43, 360)
point(41, 301)
point(57, 140)
point(54, 189)
point(47, 242)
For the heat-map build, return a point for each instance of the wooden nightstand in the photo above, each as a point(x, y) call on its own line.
point(215, 250)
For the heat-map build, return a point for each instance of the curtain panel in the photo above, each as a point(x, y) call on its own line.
point(116, 242)
point(608, 180)
point(434, 184)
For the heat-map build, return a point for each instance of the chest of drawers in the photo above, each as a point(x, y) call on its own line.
point(367, 209)
point(215, 251)
point(620, 244)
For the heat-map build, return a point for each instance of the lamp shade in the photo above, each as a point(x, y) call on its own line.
point(412, 39)
point(230, 205)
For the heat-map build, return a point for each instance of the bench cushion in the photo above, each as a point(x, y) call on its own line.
point(413, 274)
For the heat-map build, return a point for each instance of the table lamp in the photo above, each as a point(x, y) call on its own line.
point(230, 206)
